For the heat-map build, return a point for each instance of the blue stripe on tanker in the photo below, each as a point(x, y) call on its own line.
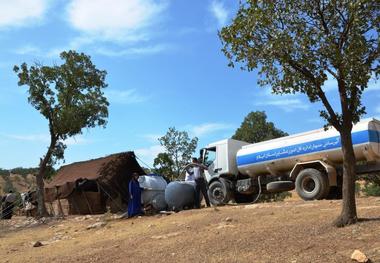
point(307, 147)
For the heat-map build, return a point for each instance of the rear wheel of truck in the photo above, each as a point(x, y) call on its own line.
point(219, 193)
point(312, 184)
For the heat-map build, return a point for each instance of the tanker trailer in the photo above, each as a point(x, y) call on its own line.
point(310, 162)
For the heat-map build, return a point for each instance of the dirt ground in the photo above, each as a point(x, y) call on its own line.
point(291, 231)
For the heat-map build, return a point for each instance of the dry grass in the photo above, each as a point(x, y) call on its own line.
point(291, 231)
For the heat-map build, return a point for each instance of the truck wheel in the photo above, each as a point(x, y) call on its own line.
point(280, 186)
point(219, 193)
point(311, 184)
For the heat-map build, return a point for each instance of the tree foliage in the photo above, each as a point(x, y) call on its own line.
point(297, 45)
point(70, 96)
point(164, 165)
point(256, 128)
point(179, 148)
point(4, 171)
point(24, 171)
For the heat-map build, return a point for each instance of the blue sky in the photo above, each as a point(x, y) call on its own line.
point(165, 68)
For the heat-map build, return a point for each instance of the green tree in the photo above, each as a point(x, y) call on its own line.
point(256, 128)
point(297, 44)
point(179, 148)
point(70, 96)
point(24, 171)
point(4, 172)
point(164, 165)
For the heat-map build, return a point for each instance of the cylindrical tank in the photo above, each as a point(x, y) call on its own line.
point(180, 195)
point(154, 191)
point(280, 155)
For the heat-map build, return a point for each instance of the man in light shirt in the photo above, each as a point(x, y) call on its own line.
point(189, 177)
point(200, 183)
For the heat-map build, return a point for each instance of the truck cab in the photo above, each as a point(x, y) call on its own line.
point(220, 158)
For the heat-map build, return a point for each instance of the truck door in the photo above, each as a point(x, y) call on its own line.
point(210, 160)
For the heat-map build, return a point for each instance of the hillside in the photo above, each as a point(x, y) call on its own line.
point(293, 231)
point(19, 183)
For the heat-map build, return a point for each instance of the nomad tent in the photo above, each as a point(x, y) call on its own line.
point(90, 186)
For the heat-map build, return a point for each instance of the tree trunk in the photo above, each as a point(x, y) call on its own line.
point(40, 192)
point(41, 209)
point(348, 215)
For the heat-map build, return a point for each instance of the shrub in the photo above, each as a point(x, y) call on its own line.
point(371, 189)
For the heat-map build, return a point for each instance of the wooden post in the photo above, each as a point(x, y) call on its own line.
point(60, 210)
point(88, 203)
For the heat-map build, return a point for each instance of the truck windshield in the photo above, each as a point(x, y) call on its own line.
point(210, 156)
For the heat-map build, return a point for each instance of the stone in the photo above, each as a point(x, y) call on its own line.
point(166, 235)
point(359, 256)
point(228, 219)
point(37, 244)
point(96, 225)
point(220, 226)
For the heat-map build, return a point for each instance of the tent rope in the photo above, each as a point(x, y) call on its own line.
point(112, 199)
point(143, 162)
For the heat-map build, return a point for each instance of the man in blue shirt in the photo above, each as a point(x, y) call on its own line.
point(134, 203)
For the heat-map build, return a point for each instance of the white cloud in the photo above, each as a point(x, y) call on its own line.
point(147, 155)
point(220, 12)
point(27, 50)
point(285, 104)
point(129, 96)
point(116, 20)
point(45, 138)
point(15, 13)
point(208, 128)
point(153, 138)
point(141, 50)
point(35, 51)
point(77, 140)
point(105, 51)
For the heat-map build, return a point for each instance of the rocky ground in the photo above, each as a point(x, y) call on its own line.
point(291, 231)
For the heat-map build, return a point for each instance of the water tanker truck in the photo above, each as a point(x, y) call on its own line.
point(309, 162)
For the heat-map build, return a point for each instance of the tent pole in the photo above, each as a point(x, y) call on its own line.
point(88, 203)
point(60, 210)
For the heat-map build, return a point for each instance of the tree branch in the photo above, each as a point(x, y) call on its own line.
point(317, 85)
point(323, 21)
point(332, 73)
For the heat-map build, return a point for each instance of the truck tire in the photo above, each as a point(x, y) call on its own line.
point(219, 193)
point(280, 186)
point(311, 184)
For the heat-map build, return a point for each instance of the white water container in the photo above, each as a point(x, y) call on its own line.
point(154, 191)
point(180, 195)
